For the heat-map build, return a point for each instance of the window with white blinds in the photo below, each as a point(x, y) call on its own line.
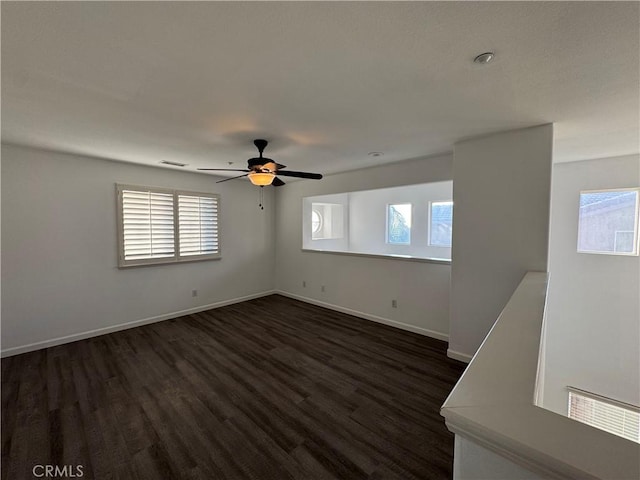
point(606, 414)
point(163, 226)
point(198, 224)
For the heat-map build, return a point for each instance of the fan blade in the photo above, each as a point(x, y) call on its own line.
point(277, 182)
point(279, 166)
point(226, 169)
point(289, 173)
point(232, 178)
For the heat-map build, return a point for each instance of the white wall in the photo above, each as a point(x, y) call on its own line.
point(500, 226)
point(593, 310)
point(59, 248)
point(473, 462)
point(362, 285)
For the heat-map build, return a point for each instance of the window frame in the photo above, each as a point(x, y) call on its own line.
point(636, 234)
point(176, 258)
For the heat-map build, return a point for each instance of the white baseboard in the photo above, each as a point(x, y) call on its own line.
point(387, 321)
point(123, 326)
point(463, 357)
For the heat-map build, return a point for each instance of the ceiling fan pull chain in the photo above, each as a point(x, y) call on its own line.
point(261, 197)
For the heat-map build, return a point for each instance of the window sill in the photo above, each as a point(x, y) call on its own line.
point(388, 256)
point(195, 258)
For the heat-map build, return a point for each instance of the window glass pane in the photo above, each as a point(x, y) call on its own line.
point(441, 224)
point(607, 222)
point(399, 224)
point(316, 221)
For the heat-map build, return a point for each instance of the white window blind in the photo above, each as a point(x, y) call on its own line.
point(198, 225)
point(164, 226)
point(147, 221)
point(600, 412)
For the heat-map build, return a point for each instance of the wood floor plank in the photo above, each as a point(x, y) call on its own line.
point(267, 389)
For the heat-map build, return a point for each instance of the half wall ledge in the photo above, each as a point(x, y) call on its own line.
point(492, 405)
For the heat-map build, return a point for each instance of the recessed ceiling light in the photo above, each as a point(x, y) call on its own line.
point(376, 154)
point(484, 58)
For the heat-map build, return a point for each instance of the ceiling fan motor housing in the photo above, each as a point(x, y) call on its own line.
point(258, 161)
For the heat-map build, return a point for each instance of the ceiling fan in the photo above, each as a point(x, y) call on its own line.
point(264, 171)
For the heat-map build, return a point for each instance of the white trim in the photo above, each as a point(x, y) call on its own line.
point(463, 357)
point(386, 256)
point(367, 316)
point(124, 326)
point(603, 399)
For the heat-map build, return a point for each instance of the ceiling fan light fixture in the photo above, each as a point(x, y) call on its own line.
point(261, 178)
point(262, 171)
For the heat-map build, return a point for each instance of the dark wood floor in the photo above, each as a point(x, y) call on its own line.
point(267, 389)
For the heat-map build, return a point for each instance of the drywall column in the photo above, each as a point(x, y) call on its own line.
point(501, 187)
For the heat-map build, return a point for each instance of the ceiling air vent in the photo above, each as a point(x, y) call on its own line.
point(175, 164)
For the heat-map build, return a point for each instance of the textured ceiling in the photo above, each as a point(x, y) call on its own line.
point(326, 83)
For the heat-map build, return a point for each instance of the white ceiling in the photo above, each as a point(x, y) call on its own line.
point(325, 82)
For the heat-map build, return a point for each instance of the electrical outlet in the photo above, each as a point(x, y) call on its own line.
point(194, 293)
point(304, 284)
point(322, 288)
point(394, 303)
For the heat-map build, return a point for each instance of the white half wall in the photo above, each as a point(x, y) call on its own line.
point(361, 285)
point(59, 249)
point(473, 462)
point(592, 338)
point(500, 226)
